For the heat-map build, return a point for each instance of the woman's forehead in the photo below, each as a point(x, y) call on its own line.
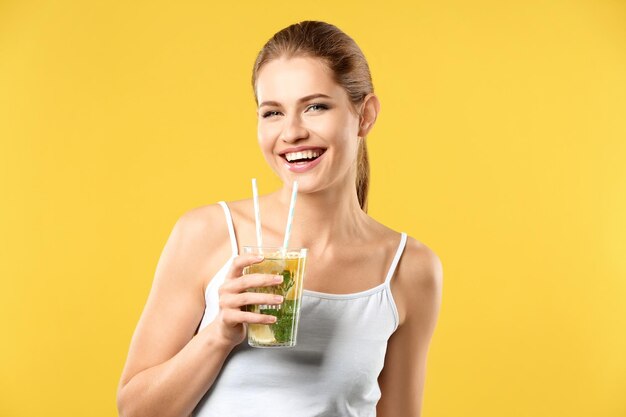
point(286, 80)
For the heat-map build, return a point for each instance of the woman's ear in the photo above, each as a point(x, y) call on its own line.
point(371, 108)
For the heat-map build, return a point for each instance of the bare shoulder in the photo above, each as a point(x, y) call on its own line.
point(203, 224)
point(202, 233)
point(420, 266)
point(419, 278)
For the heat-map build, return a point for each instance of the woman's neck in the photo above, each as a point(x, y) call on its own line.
point(325, 218)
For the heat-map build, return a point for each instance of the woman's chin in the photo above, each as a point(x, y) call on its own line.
point(306, 183)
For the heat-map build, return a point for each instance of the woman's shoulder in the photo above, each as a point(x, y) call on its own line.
point(419, 272)
point(419, 278)
point(413, 248)
point(204, 235)
point(420, 264)
point(209, 223)
point(213, 214)
point(202, 218)
point(204, 225)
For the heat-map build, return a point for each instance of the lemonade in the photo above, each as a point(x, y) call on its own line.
point(290, 265)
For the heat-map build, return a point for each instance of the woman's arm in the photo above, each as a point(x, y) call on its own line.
point(419, 280)
point(168, 369)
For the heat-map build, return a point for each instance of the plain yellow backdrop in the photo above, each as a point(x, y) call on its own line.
point(501, 144)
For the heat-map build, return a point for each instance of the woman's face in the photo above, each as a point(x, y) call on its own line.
point(307, 128)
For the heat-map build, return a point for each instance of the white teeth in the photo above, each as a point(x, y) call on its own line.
point(292, 156)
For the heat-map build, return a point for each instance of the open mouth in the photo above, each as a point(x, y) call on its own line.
point(303, 157)
point(303, 160)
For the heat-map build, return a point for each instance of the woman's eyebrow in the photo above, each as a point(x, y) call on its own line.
point(300, 100)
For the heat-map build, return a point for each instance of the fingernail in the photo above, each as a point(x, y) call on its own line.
point(260, 257)
point(278, 278)
point(278, 299)
point(273, 319)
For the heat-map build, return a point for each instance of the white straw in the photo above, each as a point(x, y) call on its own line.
point(257, 214)
point(292, 205)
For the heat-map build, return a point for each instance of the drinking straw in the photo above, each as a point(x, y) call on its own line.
point(257, 214)
point(292, 205)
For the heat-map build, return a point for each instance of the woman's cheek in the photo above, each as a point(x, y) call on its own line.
point(267, 145)
point(267, 131)
point(263, 138)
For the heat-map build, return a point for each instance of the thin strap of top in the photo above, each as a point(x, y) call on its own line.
point(396, 258)
point(231, 228)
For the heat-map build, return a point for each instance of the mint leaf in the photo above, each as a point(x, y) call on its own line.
point(283, 328)
point(288, 281)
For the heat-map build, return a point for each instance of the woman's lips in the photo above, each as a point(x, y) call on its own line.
point(299, 167)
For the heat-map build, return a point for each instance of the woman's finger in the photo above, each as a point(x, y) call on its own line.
point(232, 317)
point(236, 301)
point(240, 262)
point(245, 282)
point(254, 281)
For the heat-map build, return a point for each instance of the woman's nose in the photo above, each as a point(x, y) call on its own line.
point(293, 130)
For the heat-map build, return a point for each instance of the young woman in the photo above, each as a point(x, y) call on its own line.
point(371, 297)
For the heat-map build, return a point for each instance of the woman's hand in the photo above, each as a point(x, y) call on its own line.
point(233, 296)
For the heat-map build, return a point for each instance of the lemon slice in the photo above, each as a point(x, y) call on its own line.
point(272, 266)
point(261, 333)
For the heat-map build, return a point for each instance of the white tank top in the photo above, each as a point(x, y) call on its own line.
point(332, 371)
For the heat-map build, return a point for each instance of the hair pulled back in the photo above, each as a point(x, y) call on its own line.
point(342, 56)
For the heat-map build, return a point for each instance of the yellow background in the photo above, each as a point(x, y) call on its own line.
point(501, 144)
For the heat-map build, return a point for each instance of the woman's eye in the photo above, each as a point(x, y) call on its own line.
point(319, 106)
point(269, 113)
point(315, 107)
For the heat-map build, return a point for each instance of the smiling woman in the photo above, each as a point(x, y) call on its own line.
point(372, 294)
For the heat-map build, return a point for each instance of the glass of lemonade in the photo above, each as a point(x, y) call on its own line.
point(290, 264)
